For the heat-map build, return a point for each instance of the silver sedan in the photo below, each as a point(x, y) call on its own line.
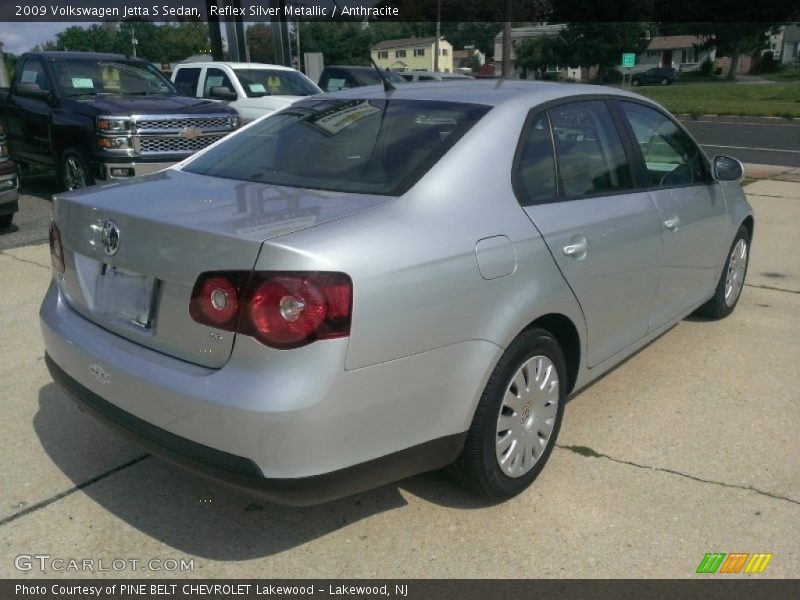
point(371, 284)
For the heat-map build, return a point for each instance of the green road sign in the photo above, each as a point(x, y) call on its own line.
point(628, 59)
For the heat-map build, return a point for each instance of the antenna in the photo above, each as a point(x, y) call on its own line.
point(387, 85)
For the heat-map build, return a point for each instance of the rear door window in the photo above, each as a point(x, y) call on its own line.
point(591, 157)
point(534, 173)
point(365, 146)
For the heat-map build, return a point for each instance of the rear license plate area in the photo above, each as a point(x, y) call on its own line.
point(125, 295)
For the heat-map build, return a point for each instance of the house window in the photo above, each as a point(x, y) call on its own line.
point(444, 51)
point(383, 54)
point(419, 51)
point(689, 55)
point(653, 53)
point(399, 53)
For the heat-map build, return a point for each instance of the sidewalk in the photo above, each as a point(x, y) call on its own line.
point(774, 172)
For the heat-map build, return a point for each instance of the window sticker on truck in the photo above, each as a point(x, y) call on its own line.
point(82, 83)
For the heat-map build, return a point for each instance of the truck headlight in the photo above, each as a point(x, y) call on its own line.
point(113, 125)
point(234, 121)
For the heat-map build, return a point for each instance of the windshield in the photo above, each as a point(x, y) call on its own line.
point(362, 146)
point(79, 77)
point(275, 82)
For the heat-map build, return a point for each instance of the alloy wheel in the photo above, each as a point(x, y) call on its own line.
point(74, 174)
point(737, 265)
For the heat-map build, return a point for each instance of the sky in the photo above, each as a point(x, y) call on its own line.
point(21, 37)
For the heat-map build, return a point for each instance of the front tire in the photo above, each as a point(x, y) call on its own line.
point(517, 420)
point(665, 81)
point(73, 173)
point(731, 281)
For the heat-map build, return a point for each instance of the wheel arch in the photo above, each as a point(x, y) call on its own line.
point(749, 224)
point(566, 333)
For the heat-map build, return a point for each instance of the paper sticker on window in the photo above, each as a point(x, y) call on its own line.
point(29, 76)
point(334, 85)
point(257, 88)
point(213, 82)
point(274, 84)
point(82, 83)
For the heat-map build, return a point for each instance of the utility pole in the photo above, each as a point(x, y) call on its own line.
point(297, 34)
point(134, 41)
point(438, 34)
point(507, 41)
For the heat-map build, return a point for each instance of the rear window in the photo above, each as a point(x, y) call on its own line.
point(363, 146)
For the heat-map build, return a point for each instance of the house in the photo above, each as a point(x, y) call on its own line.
point(413, 54)
point(518, 36)
point(681, 52)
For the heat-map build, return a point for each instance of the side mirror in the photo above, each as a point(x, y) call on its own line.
point(223, 92)
point(727, 168)
point(31, 90)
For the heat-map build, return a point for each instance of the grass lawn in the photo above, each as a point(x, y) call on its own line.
point(724, 98)
point(787, 73)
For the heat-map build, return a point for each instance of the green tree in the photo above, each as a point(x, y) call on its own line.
point(735, 39)
point(473, 62)
point(341, 43)
point(535, 54)
point(259, 41)
point(585, 44)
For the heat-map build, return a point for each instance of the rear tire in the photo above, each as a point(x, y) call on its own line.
point(517, 420)
point(635, 82)
point(5, 221)
point(731, 281)
point(665, 81)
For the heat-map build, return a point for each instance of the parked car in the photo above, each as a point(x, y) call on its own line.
point(102, 117)
point(9, 196)
point(322, 303)
point(415, 76)
point(342, 77)
point(253, 89)
point(659, 75)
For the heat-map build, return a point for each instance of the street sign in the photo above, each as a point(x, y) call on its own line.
point(628, 59)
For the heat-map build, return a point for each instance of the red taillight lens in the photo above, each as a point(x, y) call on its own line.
point(56, 249)
point(215, 301)
point(280, 309)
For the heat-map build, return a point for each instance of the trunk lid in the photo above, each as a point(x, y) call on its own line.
point(170, 227)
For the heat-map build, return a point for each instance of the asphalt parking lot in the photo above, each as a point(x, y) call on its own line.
point(689, 447)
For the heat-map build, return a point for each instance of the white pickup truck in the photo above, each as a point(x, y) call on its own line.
point(253, 89)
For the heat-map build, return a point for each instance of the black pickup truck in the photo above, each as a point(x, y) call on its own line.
point(98, 117)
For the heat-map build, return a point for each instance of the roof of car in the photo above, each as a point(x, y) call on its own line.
point(51, 54)
point(234, 65)
point(492, 92)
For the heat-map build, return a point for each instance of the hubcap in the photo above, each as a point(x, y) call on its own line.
point(74, 174)
point(737, 265)
point(527, 416)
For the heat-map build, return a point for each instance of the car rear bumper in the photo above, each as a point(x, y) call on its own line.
point(243, 473)
point(293, 426)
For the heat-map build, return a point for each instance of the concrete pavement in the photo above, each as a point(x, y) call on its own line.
point(690, 446)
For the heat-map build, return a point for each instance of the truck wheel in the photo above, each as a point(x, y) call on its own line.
point(73, 172)
point(5, 220)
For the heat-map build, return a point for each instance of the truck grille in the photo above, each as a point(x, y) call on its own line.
point(175, 144)
point(165, 134)
point(181, 123)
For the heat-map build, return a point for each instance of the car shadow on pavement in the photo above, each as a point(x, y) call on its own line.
point(41, 185)
point(197, 516)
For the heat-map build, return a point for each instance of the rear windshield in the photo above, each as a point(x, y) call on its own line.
point(363, 146)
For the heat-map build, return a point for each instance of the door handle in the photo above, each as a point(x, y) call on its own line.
point(672, 223)
point(577, 249)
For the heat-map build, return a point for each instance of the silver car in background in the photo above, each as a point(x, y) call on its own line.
point(323, 302)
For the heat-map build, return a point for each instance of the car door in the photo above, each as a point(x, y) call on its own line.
point(29, 118)
point(604, 235)
point(691, 206)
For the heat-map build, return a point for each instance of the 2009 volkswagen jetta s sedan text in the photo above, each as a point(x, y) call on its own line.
point(370, 284)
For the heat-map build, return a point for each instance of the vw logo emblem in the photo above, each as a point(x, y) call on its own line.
point(110, 238)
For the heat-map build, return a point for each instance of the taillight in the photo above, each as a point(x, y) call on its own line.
point(280, 309)
point(56, 249)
